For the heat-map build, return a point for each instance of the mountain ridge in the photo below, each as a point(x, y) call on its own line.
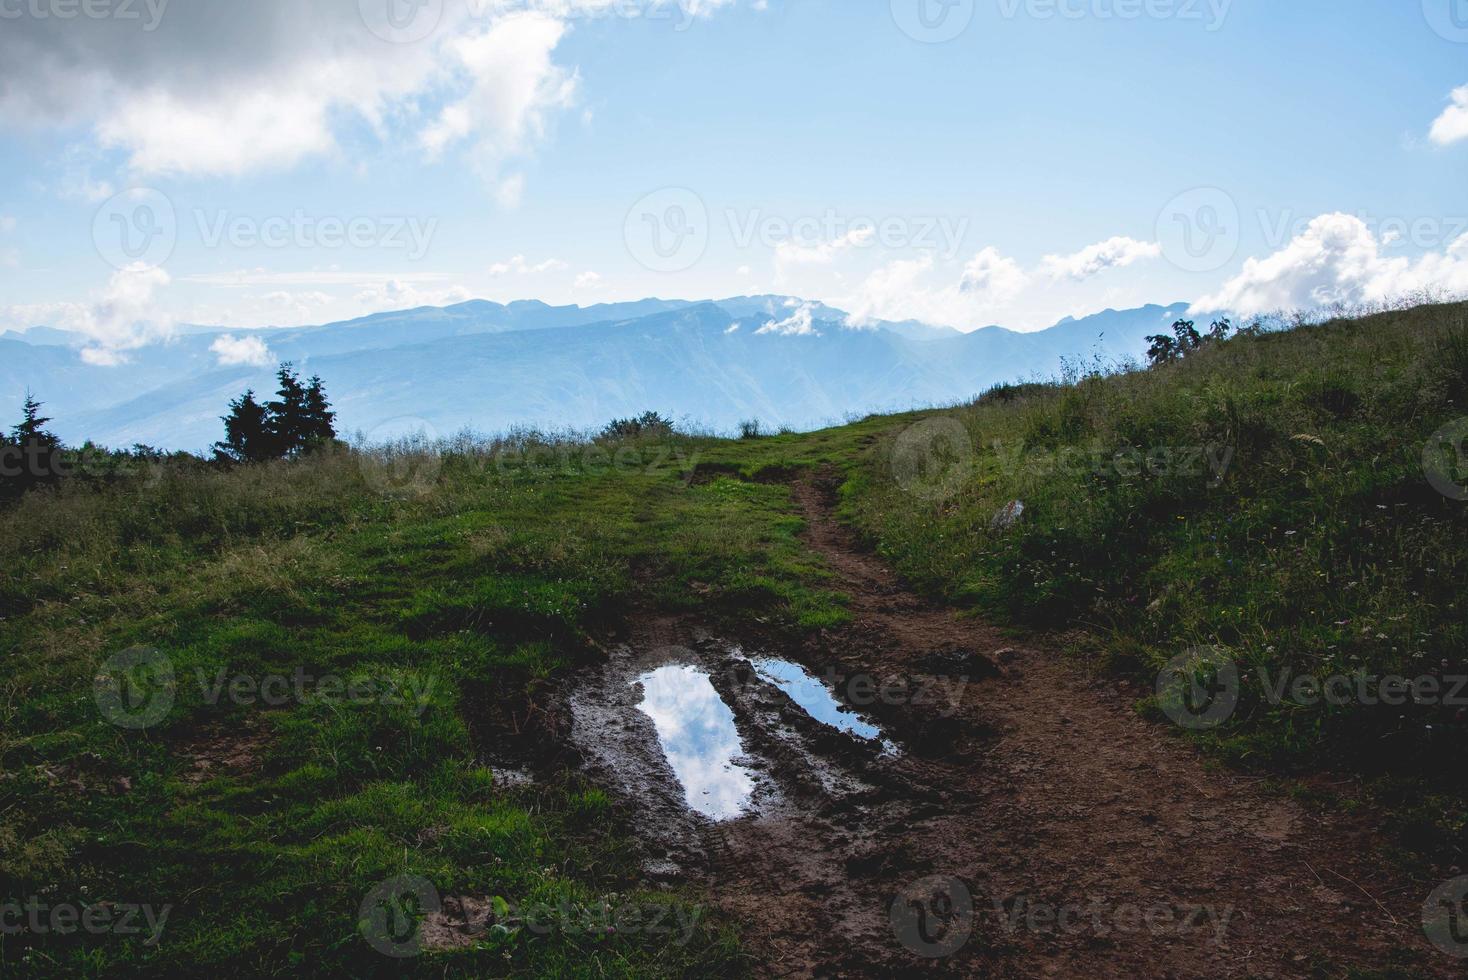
point(491, 367)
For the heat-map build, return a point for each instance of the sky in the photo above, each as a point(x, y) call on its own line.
point(966, 162)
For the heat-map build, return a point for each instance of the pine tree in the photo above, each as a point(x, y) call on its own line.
point(32, 429)
point(287, 422)
point(31, 454)
point(320, 420)
point(247, 432)
point(300, 417)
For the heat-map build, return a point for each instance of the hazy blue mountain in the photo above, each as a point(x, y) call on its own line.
point(490, 367)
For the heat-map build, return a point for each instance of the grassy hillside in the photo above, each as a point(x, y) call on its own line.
point(469, 581)
point(1264, 502)
point(1292, 526)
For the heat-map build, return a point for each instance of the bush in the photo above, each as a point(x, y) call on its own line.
point(648, 424)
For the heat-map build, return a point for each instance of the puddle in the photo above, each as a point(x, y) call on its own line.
point(816, 699)
point(696, 730)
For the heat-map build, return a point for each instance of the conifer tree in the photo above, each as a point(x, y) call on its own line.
point(247, 432)
point(299, 418)
point(287, 414)
point(320, 421)
point(31, 454)
point(32, 428)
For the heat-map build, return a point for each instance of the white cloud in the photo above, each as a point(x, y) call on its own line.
point(801, 323)
point(993, 278)
point(228, 88)
point(991, 288)
point(241, 351)
point(793, 253)
point(1452, 125)
point(122, 318)
point(510, 191)
point(1114, 253)
point(311, 277)
point(519, 267)
point(76, 182)
point(7, 224)
point(167, 133)
point(292, 300)
point(512, 87)
point(1336, 260)
point(401, 294)
point(286, 307)
point(588, 280)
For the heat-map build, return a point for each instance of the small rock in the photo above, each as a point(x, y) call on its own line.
point(1008, 516)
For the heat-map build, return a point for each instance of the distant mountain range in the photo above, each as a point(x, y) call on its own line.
point(492, 367)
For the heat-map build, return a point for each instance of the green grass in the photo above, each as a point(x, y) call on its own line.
point(1320, 549)
point(478, 579)
point(473, 595)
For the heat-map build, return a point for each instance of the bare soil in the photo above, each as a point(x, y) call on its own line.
point(1034, 793)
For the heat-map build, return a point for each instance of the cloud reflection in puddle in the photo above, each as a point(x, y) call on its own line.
point(696, 730)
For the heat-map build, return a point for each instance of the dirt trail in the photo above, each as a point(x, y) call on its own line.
point(1044, 788)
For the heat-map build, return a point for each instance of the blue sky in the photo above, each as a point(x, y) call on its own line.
point(1054, 157)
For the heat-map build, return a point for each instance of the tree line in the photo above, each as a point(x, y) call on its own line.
point(299, 419)
point(1186, 340)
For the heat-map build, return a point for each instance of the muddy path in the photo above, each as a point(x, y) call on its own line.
point(1028, 824)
